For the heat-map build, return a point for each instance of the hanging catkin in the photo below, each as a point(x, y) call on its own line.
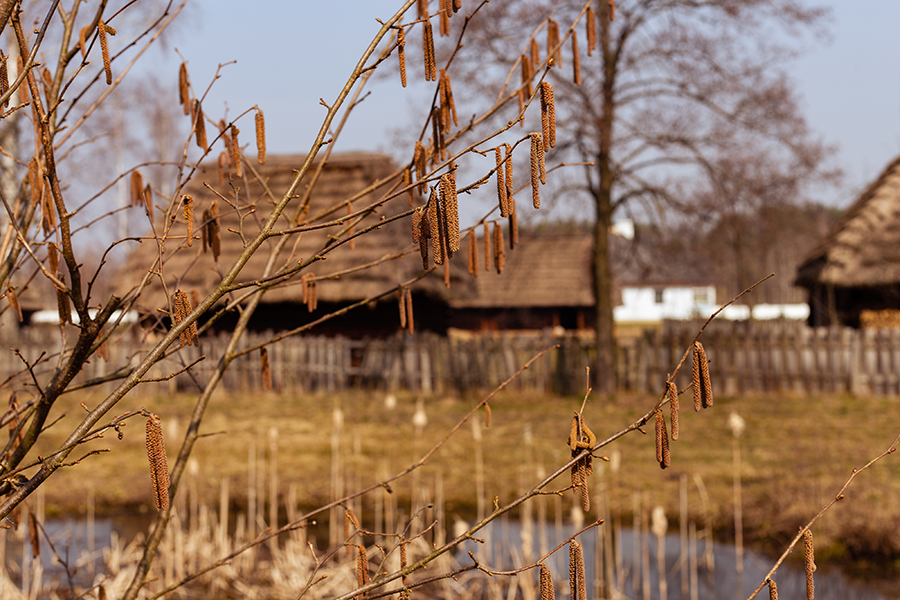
point(701, 382)
point(410, 322)
point(137, 188)
point(401, 54)
point(265, 369)
point(501, 182)
point(102, 30)
point(159, 466)
point(450, 203)
point(548, 116)
point(14, 302)
point(401, 293)
point(537, 151)
point(428, 47)
point(577, 579)
point(673, 407)
point(546, 584)
point(200, 125)
point(591, 21)
point(487, 247)
point(437, 251)
point(236, 152)
point(809, 564)
point(576, 60)
point(260, 137)
point(527, 73)
point(773, 590)
point(499, 257)
point(187, 202)
point(473, 253)
point(184, 93)
point(552, 42)
point(508, 177)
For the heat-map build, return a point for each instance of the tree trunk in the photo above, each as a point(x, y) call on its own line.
point(605, 366)
point(605, 343)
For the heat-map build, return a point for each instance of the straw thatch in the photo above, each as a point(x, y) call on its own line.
point(863, 249)
point(857, 266)
point(190, 268)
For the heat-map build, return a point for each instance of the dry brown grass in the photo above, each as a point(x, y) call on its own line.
point(796, 454)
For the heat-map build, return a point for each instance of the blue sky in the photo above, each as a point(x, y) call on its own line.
point(291, 53)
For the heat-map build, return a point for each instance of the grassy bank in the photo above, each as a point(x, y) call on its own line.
point(796, 452)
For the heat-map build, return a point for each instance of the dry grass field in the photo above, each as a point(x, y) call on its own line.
point(796, 454)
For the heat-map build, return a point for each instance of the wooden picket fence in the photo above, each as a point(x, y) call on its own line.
point(754, 358)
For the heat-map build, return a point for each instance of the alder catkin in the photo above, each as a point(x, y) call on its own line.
point(137, 188)
point(415, 221)
point(548, 115)
point(576, 60)
point(410, 323)
point(809, 564)
point(673, 407)
point(773, 590)
point(501, 183)
point(508, 177)
point(236, 152)
point(706, 396)
point(424, 233)
point(535, 170)
point(577, 579)
point(53, 257)
point(487, 415)
point(265, 369)
point(546, 583)
point(695, 380)
point(428, 47)
point(419, 161)
point(552, 42)
point(450, 202)
point(4, 77)
point(401, 293)
point(260, 137)
point(437, 248)
point(487, 247)
point(14, 302)
point(104, 48)
point(184, 93)
point(82, 41)
point(535, 55)
point(591, 21)
point(660, 428)
point(159, 466)
point(401, 54)
point(473, 253)
point(212, 226)
point(585, 495)
point(445, 17)
point(187, 202)
point(499, 257)
point(527, 73)
point(612, 10)
point(201, 125)
point(362, 566)
point(34, 535)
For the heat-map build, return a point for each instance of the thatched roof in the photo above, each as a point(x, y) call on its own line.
point(542, 271)
point(863, 249)
point(190, 268)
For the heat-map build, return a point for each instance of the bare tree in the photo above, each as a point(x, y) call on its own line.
point(656, 97)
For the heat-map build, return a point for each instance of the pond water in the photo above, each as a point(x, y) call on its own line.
point(82, 544)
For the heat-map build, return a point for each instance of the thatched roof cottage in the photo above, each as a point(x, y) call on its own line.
point(857, 266)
